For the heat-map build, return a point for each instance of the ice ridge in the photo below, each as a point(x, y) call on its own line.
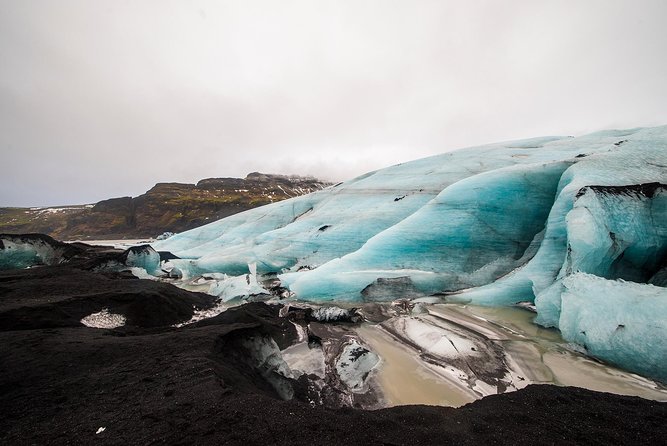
point(576, 225)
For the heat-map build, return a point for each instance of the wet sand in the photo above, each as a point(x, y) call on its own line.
point(404, 379)
point(532, 354)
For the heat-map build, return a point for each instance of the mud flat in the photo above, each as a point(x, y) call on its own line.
point(404, 379)
point(434, 357)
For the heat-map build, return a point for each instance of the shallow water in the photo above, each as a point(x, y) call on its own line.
point(404, 379)
point(532, 354)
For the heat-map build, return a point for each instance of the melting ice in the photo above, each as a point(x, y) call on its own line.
point(577, 226)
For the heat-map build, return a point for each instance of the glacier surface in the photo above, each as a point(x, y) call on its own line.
point(576, 225)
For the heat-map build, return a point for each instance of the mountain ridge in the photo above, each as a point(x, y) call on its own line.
point(167, 206)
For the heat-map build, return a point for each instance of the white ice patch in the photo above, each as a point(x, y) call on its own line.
point(239, 287)
point(104, 319)
point(436, 340)
point(200, 315)
point(252, 267)
point(303, 359)
point(329, 314)
point(354, 365)
point(231, 291)
point(141, 273)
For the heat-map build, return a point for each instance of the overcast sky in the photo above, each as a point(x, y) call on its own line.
point(105, 98)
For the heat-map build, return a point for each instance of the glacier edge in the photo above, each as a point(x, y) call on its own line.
point(576, 225)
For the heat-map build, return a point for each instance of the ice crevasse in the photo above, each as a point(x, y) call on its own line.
point(576, 225)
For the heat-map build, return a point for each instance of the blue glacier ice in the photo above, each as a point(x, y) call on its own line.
point(143, 256)
point(622, 322)
point(558, 221)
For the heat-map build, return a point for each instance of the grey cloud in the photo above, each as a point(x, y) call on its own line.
point(101, 99)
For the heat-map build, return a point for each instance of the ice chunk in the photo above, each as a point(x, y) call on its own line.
point(613, 232)
point(22, 251)
point(164, 235)
point(621, 322)
point(143, 256)
point(354, 365)
point(137, 272)
point(239, 287)
point(336, 314)
point(548, 305)
point(173, 272)
point(618, 231)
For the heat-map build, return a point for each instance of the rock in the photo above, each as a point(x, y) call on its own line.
point(384, 289)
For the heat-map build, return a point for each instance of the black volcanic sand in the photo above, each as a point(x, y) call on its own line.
point(150, 383)
point(60, 296)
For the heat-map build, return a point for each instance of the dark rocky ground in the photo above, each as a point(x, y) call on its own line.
point(150, 383)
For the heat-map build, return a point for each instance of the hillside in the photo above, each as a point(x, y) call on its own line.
point(173, 207)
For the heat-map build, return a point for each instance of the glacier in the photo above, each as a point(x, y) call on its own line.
point(575, 225)
point(622, 322)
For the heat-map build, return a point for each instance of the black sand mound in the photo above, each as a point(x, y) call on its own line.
point(150, 383)
point(60, 386)
point(60, 296)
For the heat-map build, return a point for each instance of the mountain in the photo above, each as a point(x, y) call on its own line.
point(576, 227)
point(167, 207)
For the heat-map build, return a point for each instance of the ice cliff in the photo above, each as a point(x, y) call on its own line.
point(576, 225)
